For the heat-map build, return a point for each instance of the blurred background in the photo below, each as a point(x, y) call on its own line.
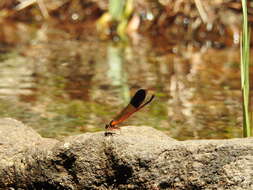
point(70, 66)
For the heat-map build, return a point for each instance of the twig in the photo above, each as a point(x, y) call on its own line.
point(202, 11)
point(28, 3)
point(43, 8)
point(25, 4)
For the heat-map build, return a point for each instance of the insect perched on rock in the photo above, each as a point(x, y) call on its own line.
point(136, 103)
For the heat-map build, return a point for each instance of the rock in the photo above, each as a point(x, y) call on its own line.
point(137, 158)
point(19, 143)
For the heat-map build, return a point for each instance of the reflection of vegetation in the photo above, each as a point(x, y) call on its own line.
point(245, 51)
point(59, 118)
point(11, 109)
point(115, 63)
point(116, 70)
point(76, 115)
point(159, 113)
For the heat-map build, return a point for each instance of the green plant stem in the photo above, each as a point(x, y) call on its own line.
point(245, 50)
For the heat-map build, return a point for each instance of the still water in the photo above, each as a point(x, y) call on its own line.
point(67, 87)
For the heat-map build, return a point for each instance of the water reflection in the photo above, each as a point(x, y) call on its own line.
point(200, 102)
point(16, 77)
point(70, 87)
point(116, 70)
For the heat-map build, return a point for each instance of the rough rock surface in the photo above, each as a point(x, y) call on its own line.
point(137, 158)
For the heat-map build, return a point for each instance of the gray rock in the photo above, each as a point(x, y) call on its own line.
point(137, 158)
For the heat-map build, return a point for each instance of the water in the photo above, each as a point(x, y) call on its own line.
point(68, 87)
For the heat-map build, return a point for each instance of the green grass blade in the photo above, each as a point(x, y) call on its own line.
point(245, 50)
